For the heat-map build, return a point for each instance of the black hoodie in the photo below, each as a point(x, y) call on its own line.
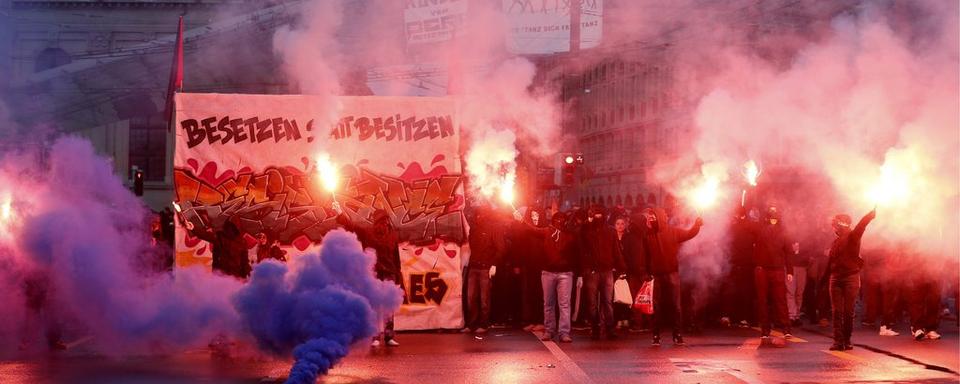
point(662, 244)
point(845, 251)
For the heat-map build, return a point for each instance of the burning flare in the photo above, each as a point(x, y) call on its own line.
point(491, 164)
point(892, 186)
point(6, 213)
point(507, 194)
point(6, 209)
point(327, 172)
point(704, 195)
point(751, 173)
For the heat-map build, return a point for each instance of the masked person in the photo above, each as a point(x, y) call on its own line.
point(560, 248)
point(772, 273)
point(525, 254)
point(230, 254)
point(661, 243)
point(739, 284)
point(487, 247)
point(843, 269)
point(385, 241)
point(601, 257)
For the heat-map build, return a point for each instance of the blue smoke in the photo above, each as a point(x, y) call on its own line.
point(83, 230)
point(318, 306)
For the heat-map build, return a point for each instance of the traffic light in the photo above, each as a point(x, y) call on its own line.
point(138, 182)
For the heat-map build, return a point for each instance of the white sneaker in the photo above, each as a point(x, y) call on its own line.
point(392, 343)
point(933, 335)
point(919, 334)
point(884, 331)
point(375, 343)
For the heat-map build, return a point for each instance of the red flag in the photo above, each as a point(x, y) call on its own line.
point(176, 74)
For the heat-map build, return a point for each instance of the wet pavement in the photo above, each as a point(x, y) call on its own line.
point(515, 356)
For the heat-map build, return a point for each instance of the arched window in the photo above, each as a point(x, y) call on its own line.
point(629, 201)
point(51, 58)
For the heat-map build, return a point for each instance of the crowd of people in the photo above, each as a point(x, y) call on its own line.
point(773, 276)
point(553, 271)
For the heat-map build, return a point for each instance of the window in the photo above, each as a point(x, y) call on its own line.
point(148, 146)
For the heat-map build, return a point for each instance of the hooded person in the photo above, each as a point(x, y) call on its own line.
point(601, 256)
point(661, 244)
point(268, 247)
point(230, 255)
point(772, 273)
point(739, 279)
point(843, 269)
point(383, 238)
point(487, 247)
point(525, 257)
point(560, 258)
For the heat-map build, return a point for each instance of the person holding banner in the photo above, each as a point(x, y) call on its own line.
point(385, 241)
point(229, 251)
point(661, 244)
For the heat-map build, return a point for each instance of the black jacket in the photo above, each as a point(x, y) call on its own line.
point(772, 248)
point(600, 249)
point(845, 251)
point(229, 250)
point(662, 244)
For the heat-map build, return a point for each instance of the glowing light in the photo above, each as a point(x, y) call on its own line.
point(507, 193)
point(327, 172)
point(6, 214)
point(491, 164)
point(892, 186)
point(751, 173)
point(568, 159)
point(705, 195)
point(177, 207)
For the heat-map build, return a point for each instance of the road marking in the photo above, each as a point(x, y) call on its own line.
point(794, 338)
point(80, 341)
point(713, 366)
point(576, 373)
point(751, 343)
point(845, 356)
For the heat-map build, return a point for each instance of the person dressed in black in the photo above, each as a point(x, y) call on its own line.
point(38, 289)
point(229, 249)
point(487, 247)
point(843, 269)
point(661, 244)
point(739, 280)
point(269, 248)
point(601, 257)
point(385, 241)
point(772, 272)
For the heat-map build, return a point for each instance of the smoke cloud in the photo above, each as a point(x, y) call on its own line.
point(318, 306)
point(847, 104)
point(70, 247)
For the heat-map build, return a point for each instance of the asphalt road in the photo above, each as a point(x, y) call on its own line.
point(515, 356)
